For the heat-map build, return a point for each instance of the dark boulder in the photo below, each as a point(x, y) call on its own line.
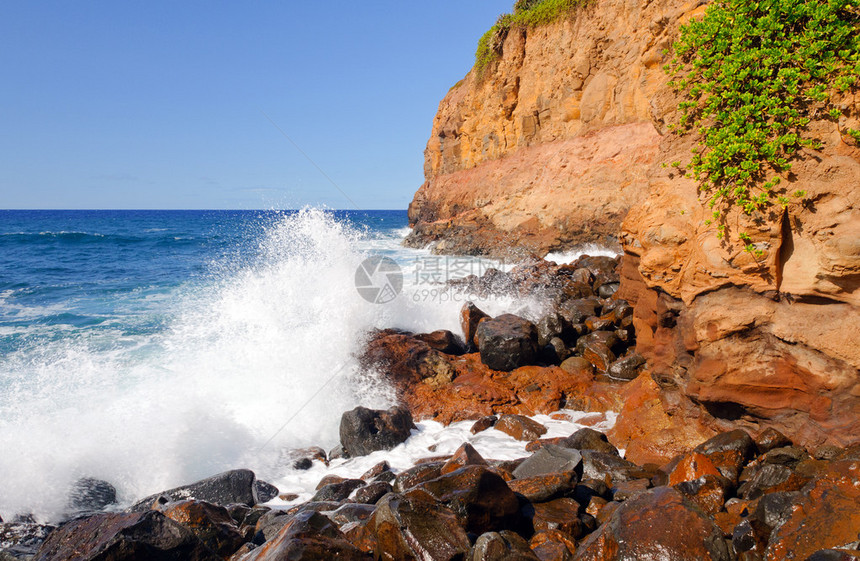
point(89, 495)
point(507, 342)
point(729, 451)
point(265, 491)
point(364, 430)
point(589, 439)
point(479, 496)
point(372, 492)
point(337, 491)
point(231, 487)
point(212, 524)
point(549, 459)
point(414, 476)
point(502, 546)
point(559, 514)
point(769, 439)
point(414, 526)
point(124, 537)
point(308, 536)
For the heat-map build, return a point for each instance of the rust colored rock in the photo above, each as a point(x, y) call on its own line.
point(658, 524)
point(729, 451)
point(520, 427)
point(769, 439)
point(124, 537)
point(483, 424)
point(577, 365)
point(414, 526)
point(692, 466)
point(502, 546)
point(464, 456)
point(648, 426)
point(595, 505)
point(211, 523)
point(412, 477)
point(405, 359)
point(329, 480)
point(308, 535)
point(470, 317)
point(626, 490)
point(536, 445)
point(443, 341)
point(709, 491)
point(373, 472)
point(544, 487)
point(771, 478)
point(480, 497)
point(559, 514)
point(553, 545)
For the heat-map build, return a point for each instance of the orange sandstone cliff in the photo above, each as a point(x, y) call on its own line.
point(561, 141)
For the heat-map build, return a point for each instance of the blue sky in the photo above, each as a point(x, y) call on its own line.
point(162, 104)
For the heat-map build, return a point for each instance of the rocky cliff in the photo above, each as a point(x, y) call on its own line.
point(563, 141)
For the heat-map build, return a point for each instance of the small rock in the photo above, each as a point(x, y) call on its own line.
point(577, 311)
point(412, 477)
point(483, 424)
point(364, 430)
point(307, 535)
point(598, 354)
point(265, 491)
point(549, 459)
point(788, 456)
point(769, 439)
point(553, 545)
point(465, 455)
point(626, 490)
point(770, 478)
point(608, 468)
point(627, 367)
point(577, 364)
point(372, 492)
point(350, 512)
point(375, 471)
point(708, 491)
point(507, 342)
point(338, 491)
point(443, 341)
point(544, 487)
point(90, 495)
point(590, 439)
point(502, 546)
point(470, 317)
point(692, 466)
point(729, 451)
point(210, 523)
point(520, 427)
point(549, 326)
point(559, 514)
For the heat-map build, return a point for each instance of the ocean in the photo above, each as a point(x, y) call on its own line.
point(154, 348)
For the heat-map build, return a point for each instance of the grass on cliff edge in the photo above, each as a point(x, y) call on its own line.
point(527, 13)
point(752, 76)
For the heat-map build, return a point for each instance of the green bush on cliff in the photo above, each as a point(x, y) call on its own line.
point(753, 74)
point(527, 13)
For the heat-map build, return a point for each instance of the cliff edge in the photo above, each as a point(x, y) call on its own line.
point(565, 139)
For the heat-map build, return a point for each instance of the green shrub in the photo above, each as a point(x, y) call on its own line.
point(527, 13)
point(752, 75)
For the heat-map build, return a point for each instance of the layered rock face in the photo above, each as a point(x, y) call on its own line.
point(550, 145)
point(563, 141)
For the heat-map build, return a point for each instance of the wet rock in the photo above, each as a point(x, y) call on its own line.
point(692, 466)
point(729, 451)
point(124, 537)
point(769, 439)
point(549, 459)
point(603, 467)
point(414, 476)
point(350, 512)
point(607, 338)
point(559, 514)
point(328, 480)
point(479, 496)
point(608, 289)
point(598, 354)
point(212, 524)
point(824, 515)
point(231, 487)
point(658, 524)
point(520, 427)
point(588, 488)
point(364, 430)
point(788, 456)
point(338, 491)
point(536, 445)
point(22, 539)
point(464, 456)
point(626, 490)
point(770, 478)
point(307, 535)
point(90, 495)
point(372, 492)
point(269, 524)
point(577, 364)
point(708, 491)
point(626, 367)
point(483, 424)
point(549, 326)
point(553, 545)
point(590, 439)
point(541, 488)
point(578, 310)
point(443, 341)
point(470, 317)
point(414, 526)
point(507, 342)
point(834, 555)
point(555, 352)
point(265, 491)
point(375, 471)
point(502, 546)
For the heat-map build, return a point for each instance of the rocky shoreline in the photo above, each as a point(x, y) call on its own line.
point(689, 491)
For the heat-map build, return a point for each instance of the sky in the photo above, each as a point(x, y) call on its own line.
point(212, 105)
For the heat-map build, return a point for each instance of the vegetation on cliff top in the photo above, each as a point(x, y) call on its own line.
point(753, 76)
point(527, 13)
